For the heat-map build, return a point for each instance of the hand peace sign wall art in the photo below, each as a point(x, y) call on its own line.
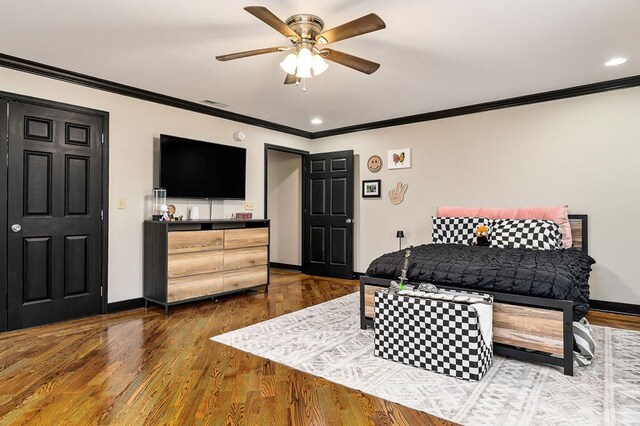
point(396, 195)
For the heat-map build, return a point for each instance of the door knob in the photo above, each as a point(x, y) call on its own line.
point(349, 220)
point(16, 228)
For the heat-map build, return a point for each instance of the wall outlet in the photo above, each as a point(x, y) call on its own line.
point(249, 205)
point(120, 203)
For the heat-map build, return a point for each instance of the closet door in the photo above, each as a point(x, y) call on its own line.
point(54, 223)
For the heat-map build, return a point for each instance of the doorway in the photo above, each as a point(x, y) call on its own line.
point(54, 227)
point(325, 239)
point(283, 204)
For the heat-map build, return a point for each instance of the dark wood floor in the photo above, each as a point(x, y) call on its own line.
point(141, 367)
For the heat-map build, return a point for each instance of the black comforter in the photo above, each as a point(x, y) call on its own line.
point(552, 274)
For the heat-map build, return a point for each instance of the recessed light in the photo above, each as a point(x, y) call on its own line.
point(316, 121)
point(615, 61)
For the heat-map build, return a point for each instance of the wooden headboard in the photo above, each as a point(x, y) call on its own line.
point(579, 227)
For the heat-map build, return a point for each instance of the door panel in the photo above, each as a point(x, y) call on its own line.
point(55, 196)
point(77, 175)
point(328, 214)
point(36, 269)
point(76, 252)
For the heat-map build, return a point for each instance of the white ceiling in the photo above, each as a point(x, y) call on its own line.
point(434, 54)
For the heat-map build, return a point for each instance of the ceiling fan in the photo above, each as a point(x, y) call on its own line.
point(308, 52)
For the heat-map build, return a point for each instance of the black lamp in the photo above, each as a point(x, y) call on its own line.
point(400, 236)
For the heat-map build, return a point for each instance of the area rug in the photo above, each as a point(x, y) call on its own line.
point(326, 340)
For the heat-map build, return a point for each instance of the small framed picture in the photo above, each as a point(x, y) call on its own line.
point(371, 188)
point(399, 158)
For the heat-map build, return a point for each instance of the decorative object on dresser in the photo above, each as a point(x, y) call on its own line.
point(194, 213)
point(243, 215)
point(195, 260)
point(396, 195)
point(159, 200)
point(371, 188)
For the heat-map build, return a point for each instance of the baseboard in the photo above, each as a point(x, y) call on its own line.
point(285, 266)
point(358, 275)
point(125, 305)
point(615, 307)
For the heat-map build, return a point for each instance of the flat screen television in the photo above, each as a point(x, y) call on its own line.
point(196, 169)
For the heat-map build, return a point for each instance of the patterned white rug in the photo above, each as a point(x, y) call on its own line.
point(326, 340)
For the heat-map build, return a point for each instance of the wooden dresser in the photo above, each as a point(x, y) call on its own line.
point(195, 260)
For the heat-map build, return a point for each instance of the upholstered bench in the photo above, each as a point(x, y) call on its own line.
point(452, 337)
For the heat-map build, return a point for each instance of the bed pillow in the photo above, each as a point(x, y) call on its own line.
point(525, 233)
point(558, 214)
point(456, 230)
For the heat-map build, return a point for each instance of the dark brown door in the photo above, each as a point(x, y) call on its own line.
point(327, 241)
point(54, 235)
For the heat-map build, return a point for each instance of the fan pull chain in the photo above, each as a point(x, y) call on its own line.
point(304, 84)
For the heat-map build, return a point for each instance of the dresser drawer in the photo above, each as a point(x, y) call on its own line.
point(204, 262)
point(195, 241)
point(243, 278)
point(195, 286)
point(244, 258)
point(250, 237)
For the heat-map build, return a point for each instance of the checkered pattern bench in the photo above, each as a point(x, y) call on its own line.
point(435, 335)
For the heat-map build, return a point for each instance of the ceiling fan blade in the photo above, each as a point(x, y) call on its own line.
point(290, 79)
point(359, 64)
point(363, 25)
point(266, 16)
point(248, 53)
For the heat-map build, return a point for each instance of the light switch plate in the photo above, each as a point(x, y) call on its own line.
point(120, 203)
point(249, 205)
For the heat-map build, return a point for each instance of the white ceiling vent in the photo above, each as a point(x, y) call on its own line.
point(215, 104)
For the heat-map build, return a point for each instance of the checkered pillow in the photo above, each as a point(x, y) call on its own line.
point(525, 233)
point(456, 230)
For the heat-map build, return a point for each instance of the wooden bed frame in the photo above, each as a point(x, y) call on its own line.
point(524, 327)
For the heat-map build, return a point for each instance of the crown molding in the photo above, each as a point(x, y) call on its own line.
point(553, 95)
point(122, 89)
point(37, 68)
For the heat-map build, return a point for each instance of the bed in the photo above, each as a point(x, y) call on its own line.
point(533, 316)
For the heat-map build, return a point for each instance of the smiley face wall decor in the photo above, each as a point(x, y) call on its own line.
point(374, 163)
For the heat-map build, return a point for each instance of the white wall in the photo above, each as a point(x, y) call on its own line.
point(133, 126)
point(284, 206)
point(583, 151)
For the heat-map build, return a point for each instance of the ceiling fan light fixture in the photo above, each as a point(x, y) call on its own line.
point(303, 72)
point(290, 63)
point(305, 59)
point(319, 65)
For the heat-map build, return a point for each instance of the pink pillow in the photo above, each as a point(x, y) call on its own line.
point(558, 214)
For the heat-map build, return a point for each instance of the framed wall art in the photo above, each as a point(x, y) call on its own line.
point(371, 188)
point(399, 158)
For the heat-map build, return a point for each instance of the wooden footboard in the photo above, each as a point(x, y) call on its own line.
point(521, 324)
